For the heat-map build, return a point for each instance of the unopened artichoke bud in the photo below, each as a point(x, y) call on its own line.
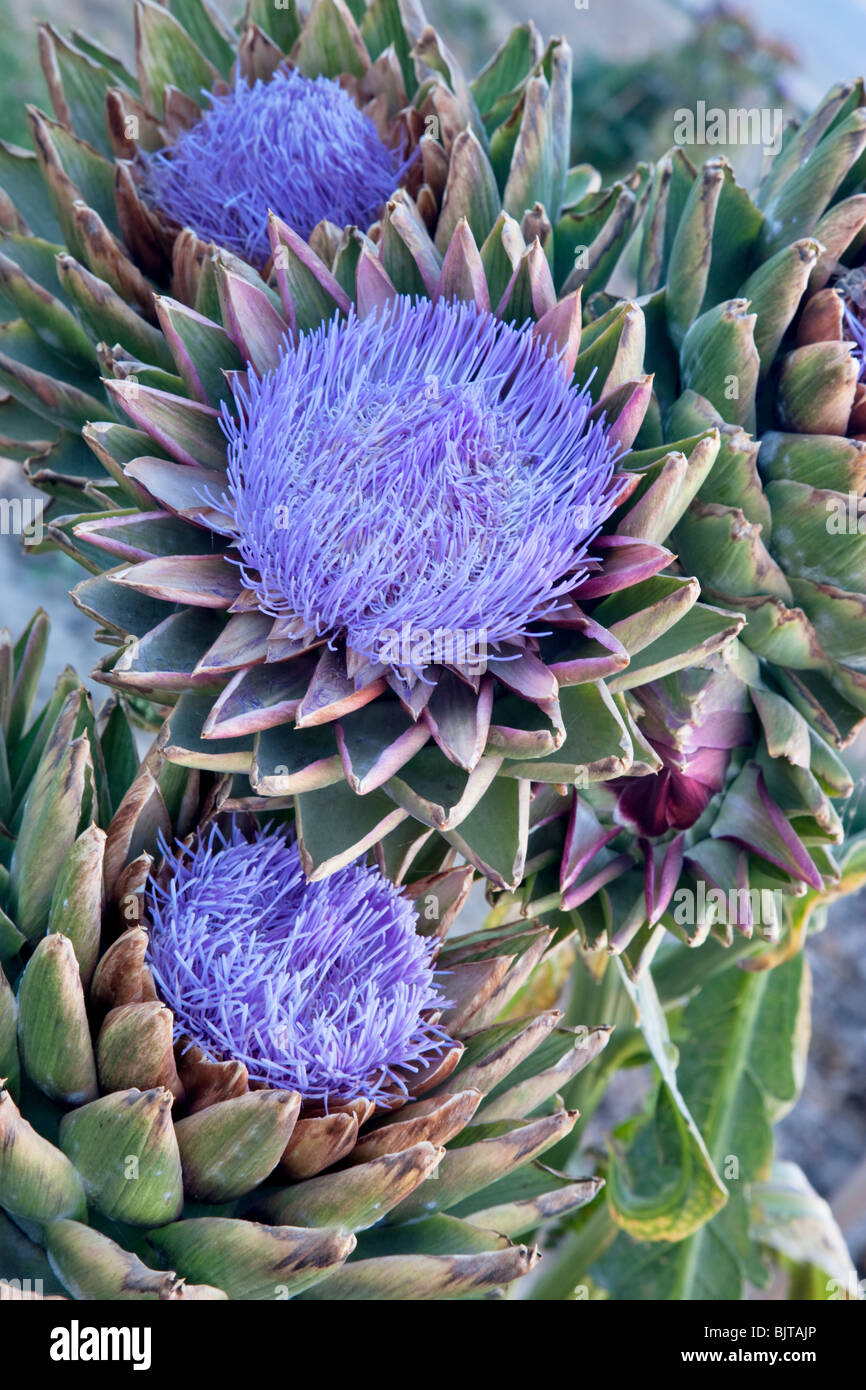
point(135, 1048)
point(763, 538)
point(37, 1181)
point(123, 1146)
point(52, 1025)
point(91, 1266)
point(78, 899)
point(230, 1148)
point(251, 1261)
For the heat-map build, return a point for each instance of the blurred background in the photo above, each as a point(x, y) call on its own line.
point(636, 62)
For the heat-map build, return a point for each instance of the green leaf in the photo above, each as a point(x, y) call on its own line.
point(665, 1186)
point(118, 750)
point(531, 176)
point(47, 315)
point(789, 1218)
point(52, 815)
point(43, 382)
point(84, 83)
point(713, 244)
point(29, 654)
point(507, 70)
point(701, 632)
point(381, 26)
point(21, 179)
point(741, 1058)
point(596, 746)
point(589, 239)
point(184, 742)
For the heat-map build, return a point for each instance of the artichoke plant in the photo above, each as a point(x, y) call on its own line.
point(422, 556)
point(223, 1081)
point(746, 800)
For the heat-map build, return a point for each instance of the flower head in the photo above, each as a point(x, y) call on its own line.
point(323, 988)
point(428, 465)
point(297, 146)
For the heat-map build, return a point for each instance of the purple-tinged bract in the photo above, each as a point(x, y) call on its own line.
point(320, 988)
point(295, 146)
point(426, 465)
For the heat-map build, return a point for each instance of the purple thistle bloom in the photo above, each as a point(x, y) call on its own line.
point(320, 988)
point(427, 465)
point(295, 146)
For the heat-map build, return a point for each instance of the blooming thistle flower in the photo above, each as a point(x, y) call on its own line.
point(295, 145)
point(271, 1060)
point(323, 988)
point(405, 480)
point(427, 466)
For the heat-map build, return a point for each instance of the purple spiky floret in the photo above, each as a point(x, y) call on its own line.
point(853, 288)
point(428, 464)
point(296, 146)
point(316, 987)
point(857, 330)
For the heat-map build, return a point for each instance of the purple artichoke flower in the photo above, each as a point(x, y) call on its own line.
point(323, 988)
point(295, 145)
point(427, 469)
